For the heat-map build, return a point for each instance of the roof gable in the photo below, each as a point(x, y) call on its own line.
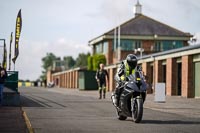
point(143, 25)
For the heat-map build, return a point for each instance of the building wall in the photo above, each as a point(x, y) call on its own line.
point(125, 53)
point(147, 46)
point(111, 71)
point(110, 51)
point(185, 43)
point(188, 77)
point(112, 56)
point(171, 84)
point(153, 68)
point(146, 67)
point(66, 79)
point(115, 59)
point(158, 71)
point(49, 76)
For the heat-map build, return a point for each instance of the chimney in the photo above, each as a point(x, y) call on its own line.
point(138, 9)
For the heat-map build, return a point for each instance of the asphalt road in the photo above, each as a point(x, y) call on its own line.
point(64, 111)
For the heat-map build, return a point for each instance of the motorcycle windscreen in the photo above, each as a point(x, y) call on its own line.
point(143, 87)
point(133, 87)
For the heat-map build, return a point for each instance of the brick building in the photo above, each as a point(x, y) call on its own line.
point(167, 56)
point(139, 32)
point(178, 68)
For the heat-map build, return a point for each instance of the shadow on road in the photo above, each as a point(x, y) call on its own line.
point(170, 122)
point(29, 102)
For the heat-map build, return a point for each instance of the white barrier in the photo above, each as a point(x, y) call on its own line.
point(160, 92)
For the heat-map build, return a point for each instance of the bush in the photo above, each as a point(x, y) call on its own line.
point(95, 60)
point(90, 63)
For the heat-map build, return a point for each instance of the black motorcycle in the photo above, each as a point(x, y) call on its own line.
point(133, 94)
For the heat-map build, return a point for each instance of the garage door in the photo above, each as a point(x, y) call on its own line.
point(197, 79)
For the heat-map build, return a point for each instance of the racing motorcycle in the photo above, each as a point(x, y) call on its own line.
point(133, 94)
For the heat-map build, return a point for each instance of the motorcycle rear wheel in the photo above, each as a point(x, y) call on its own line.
point(137, 112)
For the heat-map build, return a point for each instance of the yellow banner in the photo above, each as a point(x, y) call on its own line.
point(17, 35)
point(5, 56)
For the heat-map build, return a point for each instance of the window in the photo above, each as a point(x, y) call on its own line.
point(137, 44)
point(127, 45)
point(157, 46)
point(178, 44)
point(167, 45)
point(105, 47)
point(99, 48)
point(58, 63)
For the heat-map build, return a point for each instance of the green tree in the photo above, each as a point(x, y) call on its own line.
point(90, 63)
point(95, 60)
point(69, 62)
point(98, 59)
point(81, 60)
point(47, 62)
point(43, 76)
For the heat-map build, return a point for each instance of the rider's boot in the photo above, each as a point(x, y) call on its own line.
point(104, 93)
point(100, 94)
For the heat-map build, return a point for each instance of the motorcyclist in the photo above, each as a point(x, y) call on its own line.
point(126, 68)
point(102, 78)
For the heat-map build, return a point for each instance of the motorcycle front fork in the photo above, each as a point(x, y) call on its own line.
point(133, 101)
point(133, 104)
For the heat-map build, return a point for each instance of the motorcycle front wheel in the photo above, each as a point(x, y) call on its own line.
point(119, 116)
point(137, 110)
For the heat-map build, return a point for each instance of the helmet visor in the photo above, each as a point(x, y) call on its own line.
point(132, 64)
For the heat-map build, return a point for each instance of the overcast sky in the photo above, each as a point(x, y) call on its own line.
point(64, 27)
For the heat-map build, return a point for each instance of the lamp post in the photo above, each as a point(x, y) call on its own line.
point(154, 47)
point(4, 56)
point(141, 50)
point(119, 45)
point(153, 72)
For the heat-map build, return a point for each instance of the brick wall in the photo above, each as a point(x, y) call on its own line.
point(187, 77)
point(68, 79)
point(146, 45)
point(185, 43)
point(109, 55)
point(114, 60)
point(76, 79)
point(112, 72)
point(158, 71)
point(146, 68)
point(49, 76)
point(171, 84)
